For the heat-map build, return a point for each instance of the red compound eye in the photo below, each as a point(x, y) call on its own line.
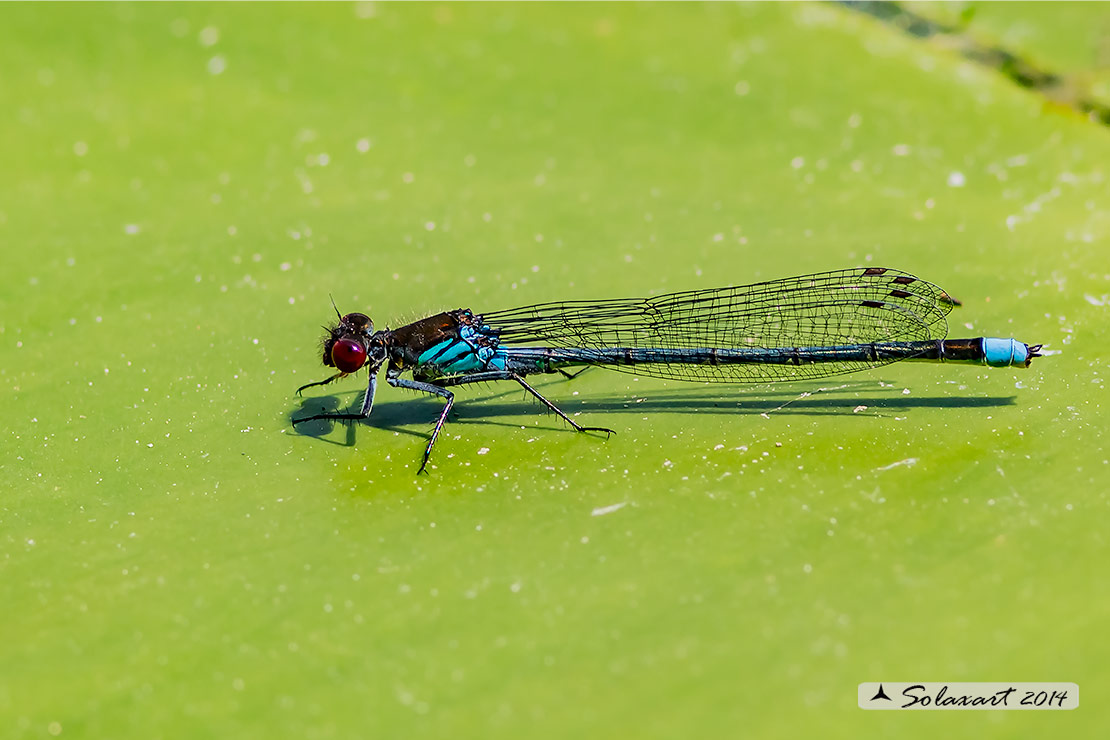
point(348, 355)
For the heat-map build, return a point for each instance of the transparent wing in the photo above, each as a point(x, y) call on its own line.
point(843, 307)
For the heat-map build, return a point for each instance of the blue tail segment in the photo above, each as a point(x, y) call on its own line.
point(1005, 352)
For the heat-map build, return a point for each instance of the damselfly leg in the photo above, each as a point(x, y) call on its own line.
point(337, 376)
point(367, 405)
point(508, 375)
point(439, 388)
point(449, 401)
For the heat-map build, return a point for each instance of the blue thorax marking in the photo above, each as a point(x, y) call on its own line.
point(474, 350)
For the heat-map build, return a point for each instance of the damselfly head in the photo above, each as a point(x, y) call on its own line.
point(348, 344)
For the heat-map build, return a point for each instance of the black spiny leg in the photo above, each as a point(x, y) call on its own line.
point(439, 388)
point(337, 376)
point(367, 403)
point(417, 385)
point(508, 375)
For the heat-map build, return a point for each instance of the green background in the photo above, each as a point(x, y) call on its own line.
point(184, 186)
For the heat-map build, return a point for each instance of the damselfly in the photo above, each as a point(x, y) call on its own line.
point(796, 328)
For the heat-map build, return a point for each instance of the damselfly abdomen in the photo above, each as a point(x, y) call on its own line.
point(796, 328)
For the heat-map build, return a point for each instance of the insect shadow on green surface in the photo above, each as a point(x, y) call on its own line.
point(838, 401)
